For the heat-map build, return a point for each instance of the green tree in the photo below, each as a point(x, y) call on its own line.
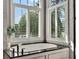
point(53, 24)
point(60, 21)
point(60, 27)
point(33, 23)
point(22, 25)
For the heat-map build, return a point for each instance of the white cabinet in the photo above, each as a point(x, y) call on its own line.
point(5, 56)
point(63, 54)
point(35, 57)
point(39, 58)
point(65, 58)
point(56, 54)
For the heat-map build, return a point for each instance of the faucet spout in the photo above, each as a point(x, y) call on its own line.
point(17, 50)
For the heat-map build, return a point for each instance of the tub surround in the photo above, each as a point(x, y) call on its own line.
point(31, 49)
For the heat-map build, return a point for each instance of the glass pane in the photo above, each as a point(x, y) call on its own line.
point(53, 24)
point(33, 3)
point(30, 2)
point(16, 1)
point(54, 2)
point(34, 17)
point(20, 22)
point(60, 21)
point(27, 2)
point(24, 2)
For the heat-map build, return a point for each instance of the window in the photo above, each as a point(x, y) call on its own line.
point(61, 22)
point(54, 2)
point(53, 23)
point(57, 21)
point(27, 18)
point(34, 17)
point(21, 16)
point(28, 2)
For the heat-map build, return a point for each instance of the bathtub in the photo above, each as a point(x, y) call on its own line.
point(35, 47)
point(39, 46)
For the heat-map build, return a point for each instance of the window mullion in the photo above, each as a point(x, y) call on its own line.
point(12, 13)
point(28, 25)
point(34, 2)
point(39, 23)
point(50, 22)
point(56, 22)
point(12, 18)
point(66, 22)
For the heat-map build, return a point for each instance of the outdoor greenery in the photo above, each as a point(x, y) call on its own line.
point(22, 24)
point(10, 30)
point(60, 23)
point(53, 24)
point(33, 23)
point(21, 27)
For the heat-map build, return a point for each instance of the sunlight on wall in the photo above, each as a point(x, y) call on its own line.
point(72, 46)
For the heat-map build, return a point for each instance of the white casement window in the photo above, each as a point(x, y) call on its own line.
point(27, 17)
point(57, 21)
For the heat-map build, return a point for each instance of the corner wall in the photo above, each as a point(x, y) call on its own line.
point(5, 21)
point(71, 28)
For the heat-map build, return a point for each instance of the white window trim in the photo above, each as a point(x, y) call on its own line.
point(41, 21)
point(48, 23)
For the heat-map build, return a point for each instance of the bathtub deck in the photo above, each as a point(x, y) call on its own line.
point(36, 47)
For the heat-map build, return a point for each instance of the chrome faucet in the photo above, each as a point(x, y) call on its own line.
point(13, 52)
point(17, 50)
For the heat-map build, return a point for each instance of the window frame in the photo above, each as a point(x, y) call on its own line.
point(48, 23)
point(41, 21)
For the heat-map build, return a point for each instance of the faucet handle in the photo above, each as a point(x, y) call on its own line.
point(17, 50)
point(13, 52)
point(22, 51)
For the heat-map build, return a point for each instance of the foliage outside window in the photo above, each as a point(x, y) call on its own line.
point(57, 29)
point(10, 30)
point(55, 2)
point(34, 22)
point(53, 24)
point(26, 20)
point(61, 22)
point(57, 23)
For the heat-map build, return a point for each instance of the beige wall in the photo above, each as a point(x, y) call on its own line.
point(71, 27)
point(5, 21)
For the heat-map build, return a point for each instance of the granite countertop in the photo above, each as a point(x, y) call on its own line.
point(26, 52)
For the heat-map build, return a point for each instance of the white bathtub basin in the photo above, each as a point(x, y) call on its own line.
point(35, 47)
point(39, 46)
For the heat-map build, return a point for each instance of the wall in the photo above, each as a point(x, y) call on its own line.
point(5, 21)
point(71, 28)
